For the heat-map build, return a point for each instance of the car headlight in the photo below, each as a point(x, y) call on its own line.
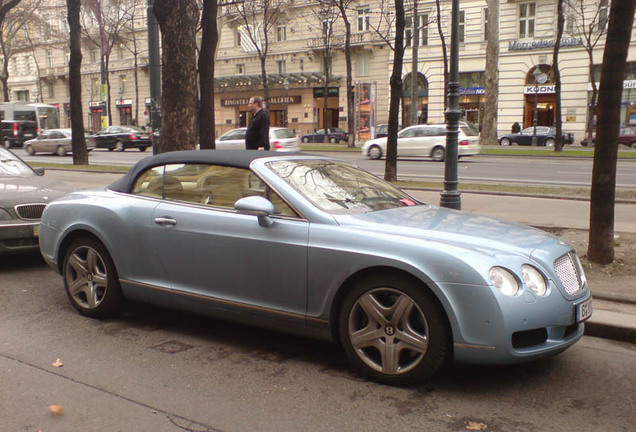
point(504, 281)
point(5, 215)
point(534, 280)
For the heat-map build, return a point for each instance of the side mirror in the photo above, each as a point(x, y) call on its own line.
point(256, 206)
point(39, 171)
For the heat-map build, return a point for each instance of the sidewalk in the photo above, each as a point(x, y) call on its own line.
point(615, 303)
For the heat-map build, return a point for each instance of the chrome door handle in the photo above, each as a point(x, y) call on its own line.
point(165, 221)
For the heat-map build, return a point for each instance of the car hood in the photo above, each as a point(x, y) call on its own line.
point(459, 228)
point(23, 190)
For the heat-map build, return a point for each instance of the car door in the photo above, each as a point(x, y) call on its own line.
point(55, 139)
point(525, 136)
point(408, 141)
point(42, 142)
point(209, 250)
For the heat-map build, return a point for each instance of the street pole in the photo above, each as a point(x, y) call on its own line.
point(154, 66)
point(415, 36)
point(286, 85)
point(450, 196)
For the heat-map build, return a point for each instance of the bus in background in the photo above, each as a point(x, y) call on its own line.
point(45, 116)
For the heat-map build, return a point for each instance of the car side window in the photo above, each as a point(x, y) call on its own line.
point(408, 133)
point(211, 185)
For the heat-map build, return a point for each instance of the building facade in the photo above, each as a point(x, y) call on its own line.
point(306, 68)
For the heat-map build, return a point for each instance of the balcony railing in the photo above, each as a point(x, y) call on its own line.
point(357, 39)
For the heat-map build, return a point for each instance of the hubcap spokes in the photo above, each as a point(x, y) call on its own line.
point(86, 277)
point(388, 331)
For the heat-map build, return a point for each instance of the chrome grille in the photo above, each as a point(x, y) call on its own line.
point(29, 211)
point(570, 272)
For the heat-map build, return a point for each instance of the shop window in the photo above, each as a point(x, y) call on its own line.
point(527, 12)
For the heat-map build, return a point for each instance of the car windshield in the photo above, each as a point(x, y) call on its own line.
point(12, 166)
point(339, 188)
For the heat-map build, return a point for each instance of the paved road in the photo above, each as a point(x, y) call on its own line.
point(492, 169)
point(154, 370)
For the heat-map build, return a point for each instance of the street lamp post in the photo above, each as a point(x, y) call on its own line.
point(539, 78)
point(286, 86)
point(450, 196)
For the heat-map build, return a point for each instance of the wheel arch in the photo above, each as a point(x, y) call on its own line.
point(69, 238)
point(370, 272)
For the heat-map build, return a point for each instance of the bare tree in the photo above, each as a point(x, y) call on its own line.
point(8, 32)
point(78, 141)
point(390, 168)
point(257, 18)
point(489, 129)
point(590, 21)
point(619, 33)
point(558, 141)
point(343, 6)
point(178, 21)
point(209, 40)
point(442, 39)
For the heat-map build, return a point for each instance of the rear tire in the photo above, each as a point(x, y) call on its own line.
point(505, 142)
point(333, 140)
point(91, 279)
point(549, 142)
point(7, 144)
point(305, 139)
point(633, 144)
point(60, 151)
point(119, 146)
point(375, 152)
point(142, 149)
point(394, 330)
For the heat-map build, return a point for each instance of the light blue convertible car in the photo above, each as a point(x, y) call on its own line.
point(321, 248)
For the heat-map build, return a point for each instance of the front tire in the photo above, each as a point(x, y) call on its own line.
point(505, 142)
point(438, 154)
point(119, 146)
point(142, 149)
point(305, 140)
point(394, 330)
point(333, 140)
point(91, 279)
point(60, 151)
point(633, 144)
point(549, 142)
point(29, 149)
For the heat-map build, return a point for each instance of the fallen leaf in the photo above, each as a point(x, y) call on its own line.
point(476, 426)
point(58, 363)
point(56, 409)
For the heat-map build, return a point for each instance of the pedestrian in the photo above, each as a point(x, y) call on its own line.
point(257, 134)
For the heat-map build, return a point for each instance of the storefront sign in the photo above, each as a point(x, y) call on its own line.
point(96, 105)
point(627, 84)
point(541, 89)
point(234, 102)
point(516, 45)
point(332, 91)
point(123, 103)
point(285, 100)
point(472, 91)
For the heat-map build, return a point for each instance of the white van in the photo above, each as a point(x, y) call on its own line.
point(46, 116)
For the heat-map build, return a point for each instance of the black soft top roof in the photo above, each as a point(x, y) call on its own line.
point(232, 158)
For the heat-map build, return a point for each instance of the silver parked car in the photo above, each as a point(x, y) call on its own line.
point(280, 139)
point(316, 246)
point(56, 141)
point(23, 195)
point(427, 140)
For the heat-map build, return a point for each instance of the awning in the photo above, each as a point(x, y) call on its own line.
point(274, 81)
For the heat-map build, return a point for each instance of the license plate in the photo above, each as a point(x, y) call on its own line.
point(36, 230)
point(144, 137)
point(28, 135)
point(583, 311)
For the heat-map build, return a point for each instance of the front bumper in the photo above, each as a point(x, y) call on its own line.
point(19, 237)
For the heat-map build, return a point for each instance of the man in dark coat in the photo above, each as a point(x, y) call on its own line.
point(257, 135)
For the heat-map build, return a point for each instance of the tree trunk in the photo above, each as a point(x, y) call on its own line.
point(601, 240)
point(390, 169)
point(178, 21)
point(78, 141)
point(558, 141)
point(489, 128)
point(351, 121)
point(209, 39)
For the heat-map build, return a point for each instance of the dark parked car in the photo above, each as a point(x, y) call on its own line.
point(23, 195)
point(545, 137)
point(321, 248)
point(335, 135)
point(627, 136)
point(16, 132)
point(119, 138)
